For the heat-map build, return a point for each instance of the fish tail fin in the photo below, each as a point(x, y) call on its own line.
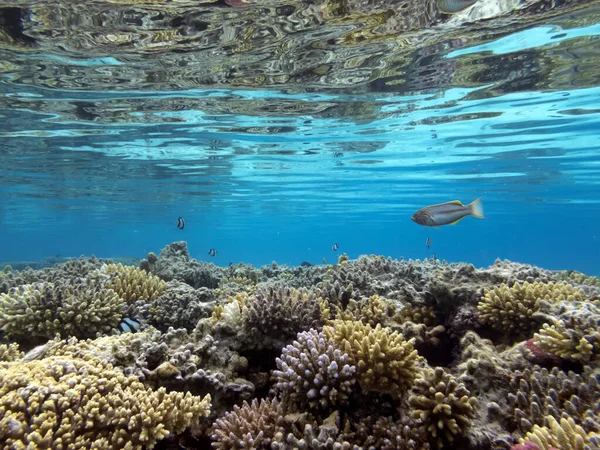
point(477, 208)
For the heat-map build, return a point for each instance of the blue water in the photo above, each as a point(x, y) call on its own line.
point(115, 185)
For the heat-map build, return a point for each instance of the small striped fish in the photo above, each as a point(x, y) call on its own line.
point(454, 6)
point(447, 213)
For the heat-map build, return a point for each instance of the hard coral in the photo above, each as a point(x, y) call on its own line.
point(565, 435)
point(61, 403)
point(78, 307)
point(385, 361)
point(252, 426)
point(313, 371)
point(281, 313)
point(511, 309)
point(132, 284)
point(10, 352)
point(441, 405)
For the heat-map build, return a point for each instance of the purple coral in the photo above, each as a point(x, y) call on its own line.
point(312, 370)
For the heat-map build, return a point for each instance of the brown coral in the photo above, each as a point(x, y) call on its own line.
point(441, 405)
point(385, 361)
point(60, 402)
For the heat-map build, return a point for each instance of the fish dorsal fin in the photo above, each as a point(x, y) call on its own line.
point(456, 202)
point(456, 221)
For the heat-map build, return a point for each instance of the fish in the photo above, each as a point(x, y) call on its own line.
point(324, 260)
point(128, 325)
point(447, 213)
point(453, 6)
point(428, 242)
point(180, 223)
point(335, 247)
point(213, 252)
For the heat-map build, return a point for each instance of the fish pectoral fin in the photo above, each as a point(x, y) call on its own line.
point(456, 221)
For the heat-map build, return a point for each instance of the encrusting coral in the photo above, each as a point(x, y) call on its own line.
point(60, 402)
point(385, 362)
point(78, 307)
point(441, 405)
point(132, 284)
point(511, 309)
point(312, 370)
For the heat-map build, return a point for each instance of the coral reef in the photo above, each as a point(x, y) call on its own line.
point(367, 353)
point(61, 402)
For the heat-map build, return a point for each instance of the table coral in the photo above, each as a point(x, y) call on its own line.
point(313, 371)
point(251, 426)
point(385, 362)
point(61, 403)
point(77, 307)
point(511, 309)
point(441, 405)
point(132, 284)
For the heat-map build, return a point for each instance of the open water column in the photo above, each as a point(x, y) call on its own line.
point(300, 224)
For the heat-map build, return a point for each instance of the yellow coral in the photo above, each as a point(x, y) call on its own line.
point(372, 311)
point(555, 339)
point(228, 310)
point(441, 405)
point(132, 283)
point(511, 308)
point(566, 435)
point(417, 314)
point(385, 361)
point(59, 403)
point(10, 352)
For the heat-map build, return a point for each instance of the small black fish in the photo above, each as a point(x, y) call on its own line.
point(128, 325)
point(180, 223)
point(433, 258)
point(335, 247)
point(305, 264)
point(338, 154)
point(213, 252)
point(428, 242)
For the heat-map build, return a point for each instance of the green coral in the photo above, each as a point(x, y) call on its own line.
point(511, 309)
point(441, 405)
point(79, 308)
point(385, 362)
point(65, 402)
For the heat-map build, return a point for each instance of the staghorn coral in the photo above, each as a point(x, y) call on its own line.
point(132, 284)
point(538, 393)
point(60, 402)
point(385, 361)
point(79, 308)
point(281, 313)
point(10, 352)
point(251, 426)
point(441, 405)
point(313, 371)
point(565, 435)
point(572, 331)
point(511, 309)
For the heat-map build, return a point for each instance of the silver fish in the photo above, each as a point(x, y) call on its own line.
point(447, 213)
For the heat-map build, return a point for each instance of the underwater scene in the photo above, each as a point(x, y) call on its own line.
point(300, 224)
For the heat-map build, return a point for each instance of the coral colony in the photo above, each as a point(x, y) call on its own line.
point(372, 353)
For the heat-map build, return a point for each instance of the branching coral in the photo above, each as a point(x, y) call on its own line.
point(441, 405)
point(372, 310)
point(60, 402)
point(511, 309)
point(132, 284)
point(251, 426)
point(313, 371)
point(539, 393)
point(575, 335)
point(565, 435)
point(385, 361)
point(10, 352)
point(79, 308)
point(281, 313)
